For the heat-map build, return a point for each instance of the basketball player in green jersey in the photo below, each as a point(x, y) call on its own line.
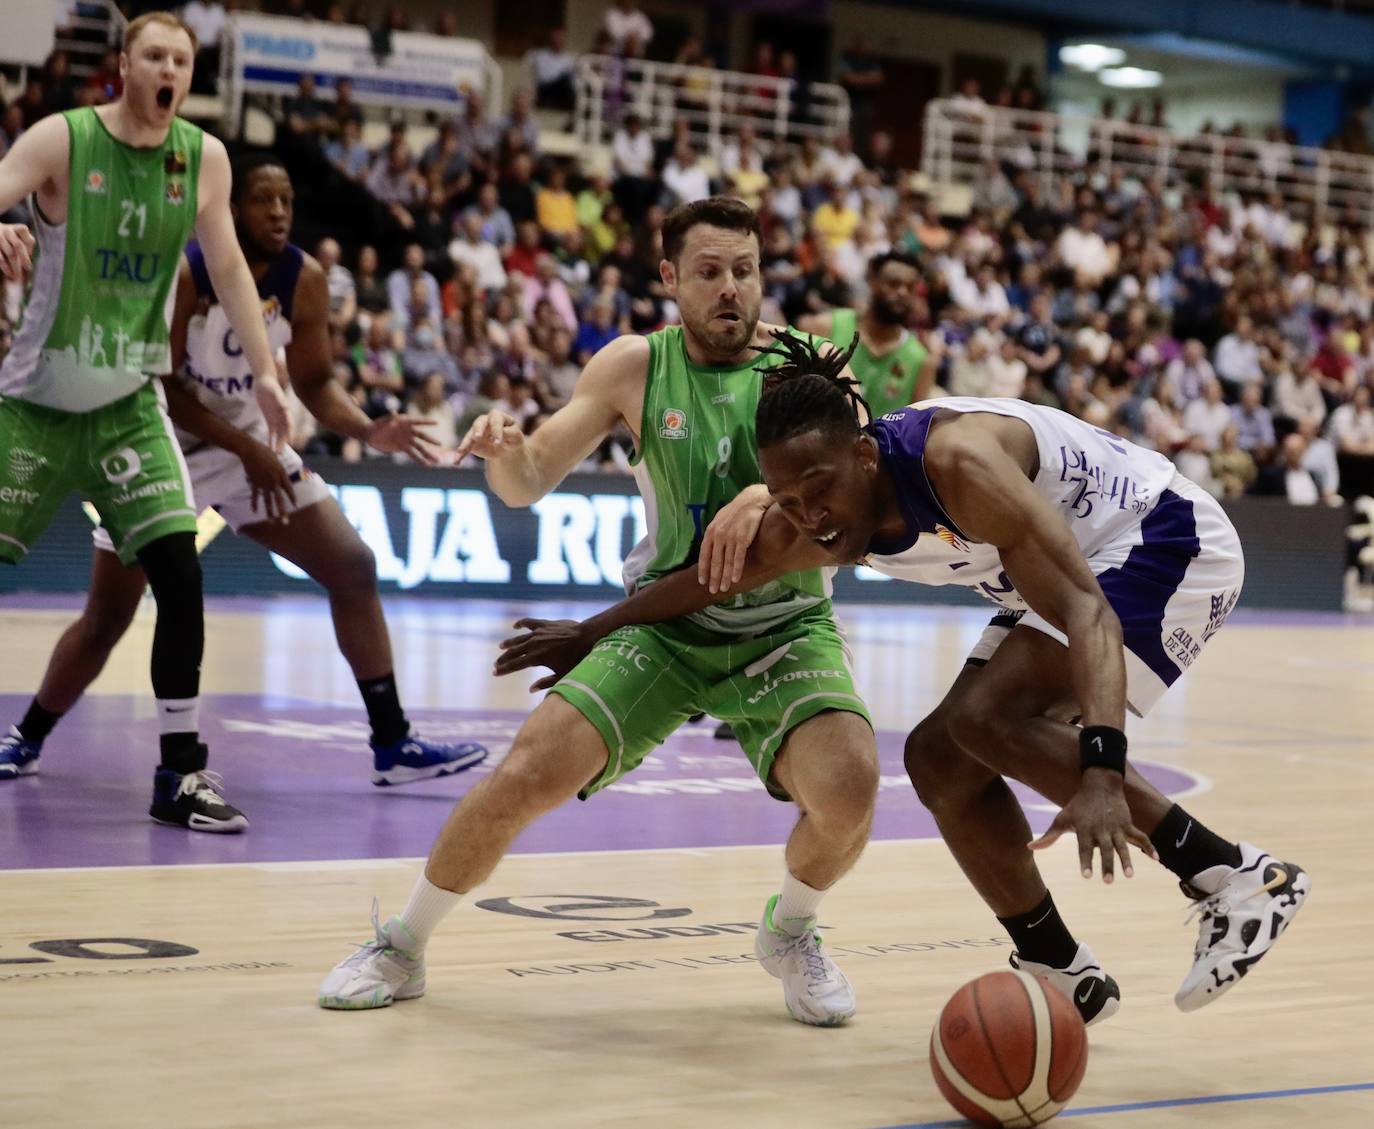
point(891, 364)
point(115, 192)
point(772, 663)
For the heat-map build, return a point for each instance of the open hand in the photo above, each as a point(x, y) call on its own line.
point(1098, 815)
point(559, 644)
point(403, 435)
point(725, 546)
point(269, 480)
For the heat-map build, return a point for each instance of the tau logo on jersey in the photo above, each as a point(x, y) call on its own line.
point(25, 464)
point(117, 265)
point(176, 191)
point(950, 538)
point(674, 424)
point(96, 183)
point(271, 309)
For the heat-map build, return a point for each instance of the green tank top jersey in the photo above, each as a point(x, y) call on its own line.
point(96, 320)
point(889, 381)
point(697, 450)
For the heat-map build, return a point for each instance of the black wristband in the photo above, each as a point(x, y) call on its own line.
point(1101, 746)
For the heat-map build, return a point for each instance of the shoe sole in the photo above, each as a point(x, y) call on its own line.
point(211, 827)
point(403, 775)
point(370, 1003)
point(10, 772)
point(1273, 924)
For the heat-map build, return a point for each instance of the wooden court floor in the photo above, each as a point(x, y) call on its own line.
point(593, 984)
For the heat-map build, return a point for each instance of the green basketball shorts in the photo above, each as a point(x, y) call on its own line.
point(123, 458)
point(640, 683)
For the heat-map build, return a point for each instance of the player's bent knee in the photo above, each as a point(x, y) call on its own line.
point(352, 571)
point(940, 771)
point(555, 755)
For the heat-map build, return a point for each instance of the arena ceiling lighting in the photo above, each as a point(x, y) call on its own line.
point(1129, 78)
point(1091, 56)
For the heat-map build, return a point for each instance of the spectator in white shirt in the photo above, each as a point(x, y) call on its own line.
point(470, 248)
point(1083, 250)
point(632, 157)
point(981, 298)
point(840, 163)
point(1189, 374)
point(1237, 357)
point(343, 294)
point(1299, 397)
point(207, 19)
point(1299, 484)
point(624, 22)
point(1320, 459)
point(1352, 431)
point(1094, 338)
point(399, 288)
point(1208, 417)
point(684, 178)
point(551, 72)
point(430, 402)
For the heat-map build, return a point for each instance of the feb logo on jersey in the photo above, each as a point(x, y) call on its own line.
point(950, 538)
point(176, 191)
point(96, 183)
point(674, 424)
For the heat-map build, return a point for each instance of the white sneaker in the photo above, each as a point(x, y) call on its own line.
point(816, 991)
point(1243, 909)
point(1095, 994)
point(382, 971)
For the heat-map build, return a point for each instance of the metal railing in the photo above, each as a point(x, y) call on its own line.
point(97, 26)
point(961, 140)
point(712, 102)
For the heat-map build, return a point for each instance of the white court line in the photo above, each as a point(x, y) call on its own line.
point(312, 865)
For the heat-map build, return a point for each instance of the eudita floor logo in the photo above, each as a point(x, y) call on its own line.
point(582, 907)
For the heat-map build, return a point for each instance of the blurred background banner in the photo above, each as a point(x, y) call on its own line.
point(439, 533)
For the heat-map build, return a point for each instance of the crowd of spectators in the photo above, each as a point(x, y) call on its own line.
point(1230, 334)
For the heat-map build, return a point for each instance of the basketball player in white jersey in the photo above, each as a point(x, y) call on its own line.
point(268, 496)
point(1112, 571)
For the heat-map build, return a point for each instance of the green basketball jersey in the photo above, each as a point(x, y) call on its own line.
point(696, 452)
point(889, 381)
point(96, 320)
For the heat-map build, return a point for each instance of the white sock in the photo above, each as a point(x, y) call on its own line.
point(178, 715)
point(428, 906)
point(796, 905)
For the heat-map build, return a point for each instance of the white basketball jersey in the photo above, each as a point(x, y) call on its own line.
point(1103, 487)
point(216, 371)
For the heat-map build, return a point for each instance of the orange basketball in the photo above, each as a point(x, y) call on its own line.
point(1009, 1050)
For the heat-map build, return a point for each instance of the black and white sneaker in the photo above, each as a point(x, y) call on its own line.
point(1095, 994)
point(193, 800)
point(1242, 910)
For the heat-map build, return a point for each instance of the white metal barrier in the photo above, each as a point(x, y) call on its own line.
point(713, 102)
point(269, 54)
point(103, 26)
point(961, 140)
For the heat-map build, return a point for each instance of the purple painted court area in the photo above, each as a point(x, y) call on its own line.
point(299, 770)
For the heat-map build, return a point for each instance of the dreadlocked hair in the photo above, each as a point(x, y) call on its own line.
point(808, 391)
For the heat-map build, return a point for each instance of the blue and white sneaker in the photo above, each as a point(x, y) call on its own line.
point(18, 755)
point(415, 758)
